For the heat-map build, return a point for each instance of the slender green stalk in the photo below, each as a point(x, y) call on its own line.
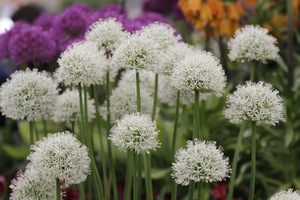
point(73, 127)
point(252, 75)
point(173, 190)
point(235, 160)
point(253, 162)
point(181, 126)
point(58, 195)
point(36, 132)
point(129, 171)
point(155, 97)
point(31, 133)
point(191, 190)
point(196, 133)
point(81, 191)
point(175, 124)
point(139, 175)
point(138, 95)
point(200, 191)
point(135, 177)
point(45, 126)
point(89, 181)
point(147, 165)
point(110, 155)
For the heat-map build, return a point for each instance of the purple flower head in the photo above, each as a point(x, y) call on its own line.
point(71, 24)
point(160, 6)
point(44, 20)
point(31, 45)
point(5, 37)
point(150, 17)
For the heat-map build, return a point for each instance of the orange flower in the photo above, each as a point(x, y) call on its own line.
point(206, 13)
point(217, 8)
point(235, 11)
point(296, 5)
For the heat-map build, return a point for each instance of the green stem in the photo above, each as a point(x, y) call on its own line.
point(174, 190)
point(253, 162)
point(155, 97)
point(58, 194)
point(200, 191)
point(81, 190)
point(139, 173)
point(31, 133)
point(191, 190)
point(36, 132)
point(102, 154)
point(201, 120)
point(138, 95)
point(175, 124)
point(147, 165)
point(135, 177)
point(128, 179)
point(181, 126)
point(110, 155)
point(252, 75)
point(235, 160)
point(196, 133)
point(73, 127)
point(45, 126)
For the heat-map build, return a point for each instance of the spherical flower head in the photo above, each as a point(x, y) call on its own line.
point(200, 161)
point(108, 34)
point(67, 108)
point(136, 53)
point(44, 20)
point(31, 45)
point(61, 156)
point(288, 194)
point(252, 43)
point(30, 185)
point(28, 95)
point(82, 64)
point(135, 132)
point(199, 71)
point(123, 99)
point(257, 102)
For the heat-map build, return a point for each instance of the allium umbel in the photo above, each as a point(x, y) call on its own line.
point(199, 71)
point(28, 95)
point(252, 43)
point(61, 156)
point(200, 161)
point(254, 102)
point(135, 132)
point(288, 194)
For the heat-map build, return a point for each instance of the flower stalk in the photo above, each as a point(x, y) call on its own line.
point(253, 162)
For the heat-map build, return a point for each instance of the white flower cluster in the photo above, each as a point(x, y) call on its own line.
point(123, 99)
point(254, 102)
point(136, 53)
point(288, 194)
point(201, 161)
point(135, 132)
point(60, 156)
point(252, 43)
point(30, 185)
point(107, 34)
point(67, 107)
point(28, 95)
point(82, 64)
point(199, 71)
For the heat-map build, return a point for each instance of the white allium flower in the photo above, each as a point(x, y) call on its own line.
point(61, 156)
point(123, 100)
point(254, 102)
point(83, 64)
point(135, 132)
point(252, 43)
point(136, 53)
point(32, 186)
point(288, 194)
point(201, 161)
point(67, 107)
point(108, 34)
point(199, 71)
point(28, 95)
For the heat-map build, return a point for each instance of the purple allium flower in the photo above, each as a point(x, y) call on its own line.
point(44, 20)
point(31, 45)
point(70, 25)
point(5, 37)
point(160, 6)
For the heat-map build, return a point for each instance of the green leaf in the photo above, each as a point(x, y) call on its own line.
point(289, 137)
point(17, 152)
point(158, 173)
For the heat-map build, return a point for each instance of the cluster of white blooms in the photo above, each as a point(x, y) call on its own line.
point(82, 64)
point(123, 99)
point(137, 53)
point(288, 194)
point(135, 132)
point(28, 95)
point(254, 102)
point(60, 156)
point(199, 71)
point(107, 34)
point(67, 107)
point(252, 43)
point(30, 185)
point(201, 161)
